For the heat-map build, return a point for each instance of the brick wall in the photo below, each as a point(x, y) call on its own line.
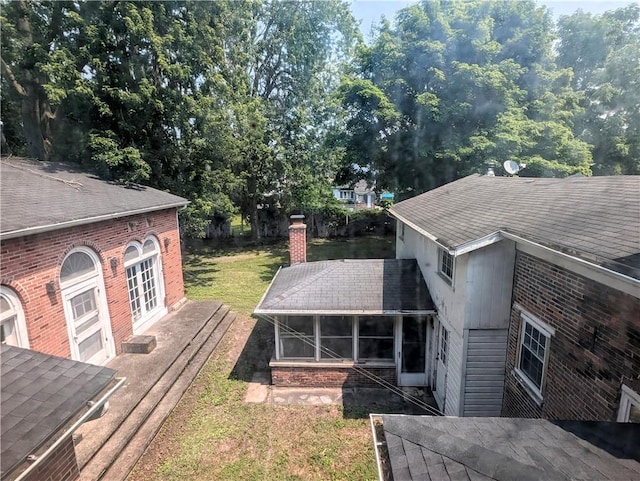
point(61, 465)
point(28, 263)
point(297, 242)
point(595, 349)
point(328, 376)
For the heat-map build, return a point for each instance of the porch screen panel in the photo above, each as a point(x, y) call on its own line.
point(375, 338)
point(336, 337)
point(297, 339)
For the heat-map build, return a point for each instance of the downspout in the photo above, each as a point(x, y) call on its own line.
point(92, 410)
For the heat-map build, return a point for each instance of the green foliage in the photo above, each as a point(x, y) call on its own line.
point(456, 86)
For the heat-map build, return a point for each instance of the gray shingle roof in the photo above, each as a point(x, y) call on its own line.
point(42, 196)
point(595, 216)
point(446, 449)
point(349, 286)
point(39, 395)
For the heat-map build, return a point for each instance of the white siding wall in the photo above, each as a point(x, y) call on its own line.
point(489, 284)
point(454, 375)
point(449, 301)
point(484, 372)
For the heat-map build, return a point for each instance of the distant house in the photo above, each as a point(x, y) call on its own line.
point(358, 196)
point(85, 263)
point(535, 288)
point(43, 400)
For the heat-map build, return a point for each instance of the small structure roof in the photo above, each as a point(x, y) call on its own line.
point(348, 286)
point(44, 196)
point(595, 217)
point(39, 395)
point(508, 449)
point(361, 187)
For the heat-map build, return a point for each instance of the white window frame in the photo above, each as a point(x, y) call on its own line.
point(150, 316)
point(535, 392)
point(19, 323)
point(442, 255)
point(355, 337)
point(628, 397)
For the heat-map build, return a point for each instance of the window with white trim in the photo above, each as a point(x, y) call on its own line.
point(340, 338)
point(533, 354)
point(13, 328)
point(141, 264)
point(336, 337)
point(446, 265)
point(629, 410)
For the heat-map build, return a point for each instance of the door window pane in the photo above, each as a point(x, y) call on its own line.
point(91, 346)
point(83, 304)
point(414, 344)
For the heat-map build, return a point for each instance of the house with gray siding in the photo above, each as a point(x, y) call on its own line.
point(534, 297)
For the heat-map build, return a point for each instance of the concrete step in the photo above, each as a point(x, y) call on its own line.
point(125, 462)
point(147, 387)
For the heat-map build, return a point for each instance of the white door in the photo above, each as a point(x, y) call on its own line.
point(89, 333)
point(441, 367)
point(412, 355)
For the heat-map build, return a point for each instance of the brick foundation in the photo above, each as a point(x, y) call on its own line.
point(29, 263)
point(595, 349)
point(61, 465)
point(329, 376)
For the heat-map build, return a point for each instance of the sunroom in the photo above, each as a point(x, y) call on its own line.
point(349, 322)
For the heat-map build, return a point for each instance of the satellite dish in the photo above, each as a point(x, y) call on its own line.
point(511, 167)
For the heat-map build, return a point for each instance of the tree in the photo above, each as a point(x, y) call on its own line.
point(604, 53)
point(471, 84)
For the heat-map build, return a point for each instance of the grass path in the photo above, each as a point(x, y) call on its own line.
point(212, 434)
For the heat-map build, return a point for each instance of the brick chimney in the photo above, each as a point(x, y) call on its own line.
point(297, 240)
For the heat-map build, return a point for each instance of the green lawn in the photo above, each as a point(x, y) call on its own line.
point(213, 433)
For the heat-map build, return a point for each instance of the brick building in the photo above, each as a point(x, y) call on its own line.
point(85, 263)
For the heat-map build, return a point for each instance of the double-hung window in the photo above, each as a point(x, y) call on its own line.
point(533, 354)
point(297, 339)
point(336, 337)
point(446, 266)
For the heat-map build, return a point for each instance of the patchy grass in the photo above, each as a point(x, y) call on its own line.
point(213, 433)
point(239, 276)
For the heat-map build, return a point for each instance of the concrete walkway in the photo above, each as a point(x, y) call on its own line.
point(108, 447)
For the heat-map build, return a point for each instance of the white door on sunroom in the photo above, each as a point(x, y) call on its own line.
point(412, 356)
point(441, 366)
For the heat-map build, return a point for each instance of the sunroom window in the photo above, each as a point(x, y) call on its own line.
point(375, 338)
point(336, 337)
point(297, 337)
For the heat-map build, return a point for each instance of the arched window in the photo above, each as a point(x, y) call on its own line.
point(13, 328)
point(144, 282)
point(77, 266)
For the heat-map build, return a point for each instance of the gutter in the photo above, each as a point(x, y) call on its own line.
point(376, 444)
point(87, 220)
point(92, 410)
point(338, 312)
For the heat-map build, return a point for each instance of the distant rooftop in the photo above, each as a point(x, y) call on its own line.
point(507, 449)
point(44, 196)
point(595, 217)
point(349, 286)
point(39, 395)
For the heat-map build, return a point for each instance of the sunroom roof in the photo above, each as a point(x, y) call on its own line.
point(348, 286)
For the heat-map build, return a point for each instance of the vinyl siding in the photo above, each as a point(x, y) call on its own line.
point(484, 373)
point(454, 372)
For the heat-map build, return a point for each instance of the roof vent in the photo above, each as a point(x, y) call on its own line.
point(490, 172)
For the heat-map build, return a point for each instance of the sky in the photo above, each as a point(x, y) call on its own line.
point(370, 11)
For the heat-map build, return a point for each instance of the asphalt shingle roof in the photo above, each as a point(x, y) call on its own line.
point(42, 196)
point(507, 449)
point(39, 394)
point(598, 217)
point(348, 286)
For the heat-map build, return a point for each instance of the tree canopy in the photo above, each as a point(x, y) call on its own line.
point(239, 105)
